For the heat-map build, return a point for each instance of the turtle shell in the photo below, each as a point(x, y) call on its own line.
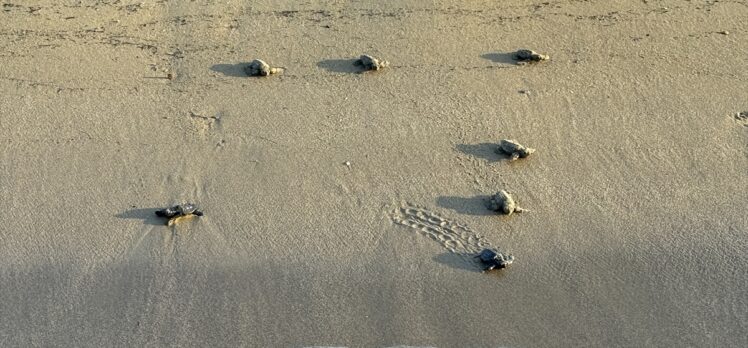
point(513, 148)
point(257, 67)
point(179, 210)
point(529, 55)
point(503, 202)
point(368, 61)
point(186, 209)
point(510, 146)
point(487, 255)
point(371, 63)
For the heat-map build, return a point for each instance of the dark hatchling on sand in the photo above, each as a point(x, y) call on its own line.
point(524, 56)
point(370, 63)
point(492, 259)
point(504, 203)
point(178, 212)
point(258, 67)
point(514, 149)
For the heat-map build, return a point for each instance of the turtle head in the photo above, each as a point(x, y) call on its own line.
point(508, 259)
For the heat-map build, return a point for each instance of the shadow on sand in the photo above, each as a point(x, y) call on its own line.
point(477, 205)
point(147, 215)
point(503, 58)
point(341, 66)
point(486, 151)
point(234, 70)
point(461, 261)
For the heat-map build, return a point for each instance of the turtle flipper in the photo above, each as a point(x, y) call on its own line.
point(173, 221)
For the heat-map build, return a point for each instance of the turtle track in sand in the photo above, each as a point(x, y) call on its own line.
point(455, 237)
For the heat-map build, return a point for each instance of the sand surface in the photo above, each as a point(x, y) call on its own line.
point(637, 234)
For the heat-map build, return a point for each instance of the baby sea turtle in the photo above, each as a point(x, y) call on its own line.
point(529, 56)
point(504, 203)
point(258, 67)
point(179, 212)
point(371, 63)
point(514, 149)
point(493, 259)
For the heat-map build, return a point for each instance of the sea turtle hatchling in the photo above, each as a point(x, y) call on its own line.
point(493, 259)
point(525, 56)
point(504, 203)
point(514, 149)
point(179, 212)
point(258, 67)
point(371, 63)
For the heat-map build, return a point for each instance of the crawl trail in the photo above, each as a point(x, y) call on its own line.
point(453, 236)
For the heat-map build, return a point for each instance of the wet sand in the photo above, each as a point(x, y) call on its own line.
point(636, 234)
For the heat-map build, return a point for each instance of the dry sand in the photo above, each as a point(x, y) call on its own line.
point(638, 191)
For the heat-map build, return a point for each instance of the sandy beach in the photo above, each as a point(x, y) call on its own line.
point(342, 208)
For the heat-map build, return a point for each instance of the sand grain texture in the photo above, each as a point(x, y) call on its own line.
point(638, 189)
